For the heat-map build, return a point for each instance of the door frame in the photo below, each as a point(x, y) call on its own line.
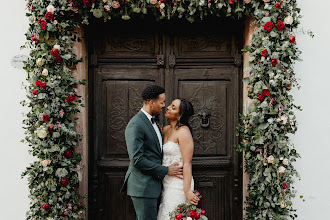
point(84, 121)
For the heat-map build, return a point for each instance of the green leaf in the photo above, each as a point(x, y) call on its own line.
point(246, 80)
point(263, 126)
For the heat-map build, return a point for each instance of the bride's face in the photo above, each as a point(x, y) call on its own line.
point(173, 110)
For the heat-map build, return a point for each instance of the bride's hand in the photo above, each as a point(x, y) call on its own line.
point(192, 198)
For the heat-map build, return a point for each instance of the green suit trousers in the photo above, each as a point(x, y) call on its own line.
point(145, 208)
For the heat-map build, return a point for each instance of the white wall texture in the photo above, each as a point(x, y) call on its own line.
point(311, 140)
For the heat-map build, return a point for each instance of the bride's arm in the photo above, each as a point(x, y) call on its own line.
point(186, 144)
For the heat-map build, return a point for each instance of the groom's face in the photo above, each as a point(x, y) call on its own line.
point(157, 104)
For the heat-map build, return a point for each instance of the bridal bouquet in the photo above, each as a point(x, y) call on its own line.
point(187, 211)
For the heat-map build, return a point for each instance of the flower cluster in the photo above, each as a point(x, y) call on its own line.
point(187, 211)
point(264, 129)
point(53, 99)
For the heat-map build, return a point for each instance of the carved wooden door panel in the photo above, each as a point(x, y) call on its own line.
point(202, 67)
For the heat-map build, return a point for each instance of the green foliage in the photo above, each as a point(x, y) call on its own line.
point(264, 130)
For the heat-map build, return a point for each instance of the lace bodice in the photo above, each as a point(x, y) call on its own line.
point(172, 153)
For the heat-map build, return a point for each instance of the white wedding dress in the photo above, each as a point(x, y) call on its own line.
point(172, 194)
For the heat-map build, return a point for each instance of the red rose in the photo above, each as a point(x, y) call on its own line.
point(68, 153)
point(198, 215)
point(54, 52)
point(64, 182)
point(265, 92)
point(261, 97)
point(269, 26)
point(274, 62)
point(67, 101)
point(278, 5)
point(34, 91)
point(292, 39)
point(51, 128)
point(87, 2)
point(43, 24)
point(49, 16)
point(45, 206)
point(231, 2)
point(72, 97)
point(284, 186)
point(264, 53)
point(43, 85)
point(45, 117)
point(280, 25)
point(202, 212)
point(58, 59)
point(178, 217)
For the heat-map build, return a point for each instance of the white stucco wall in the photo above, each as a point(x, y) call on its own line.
point(311, 140)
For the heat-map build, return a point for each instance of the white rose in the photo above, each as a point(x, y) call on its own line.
point(56, 46)
point(286, 161)
point(56, 135)
point(42, 133)
point(271, 81)
point(189, 218)
point(40, 62)
point(283, 204)
point(45, 163)
point(247, 1)
point(270, 159)
point(153, 2)
point(281, 169)
point(162, 6)
point(281, 158)
point(61, 172)
point(51, 8)
point(288, 20)
point(45, 72)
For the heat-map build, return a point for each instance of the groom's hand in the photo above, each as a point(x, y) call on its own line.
point(175, 170)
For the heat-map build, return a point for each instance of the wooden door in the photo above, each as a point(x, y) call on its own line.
point(190, 61)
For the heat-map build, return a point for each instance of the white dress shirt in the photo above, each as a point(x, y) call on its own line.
point(154, 125)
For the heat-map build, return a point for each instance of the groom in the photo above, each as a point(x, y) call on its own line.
point(145, 173)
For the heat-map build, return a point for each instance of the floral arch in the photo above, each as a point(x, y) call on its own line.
point(53, 100)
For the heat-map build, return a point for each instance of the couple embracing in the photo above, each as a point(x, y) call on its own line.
point(159, 161)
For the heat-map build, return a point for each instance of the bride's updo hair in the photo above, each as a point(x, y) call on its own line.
point(186, 110)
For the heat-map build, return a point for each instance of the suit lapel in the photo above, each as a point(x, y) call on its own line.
point(151, 128)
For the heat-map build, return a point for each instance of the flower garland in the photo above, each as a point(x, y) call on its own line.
point(53, 100)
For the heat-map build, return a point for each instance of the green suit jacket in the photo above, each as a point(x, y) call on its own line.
point(145, 172)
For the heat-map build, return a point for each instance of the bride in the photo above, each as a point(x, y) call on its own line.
point(178, 148)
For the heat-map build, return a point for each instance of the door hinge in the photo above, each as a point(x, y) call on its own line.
point(172, 60)
point(160, 60)
point(93, 60)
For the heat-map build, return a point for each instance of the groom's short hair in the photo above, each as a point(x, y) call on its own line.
point(152, 92)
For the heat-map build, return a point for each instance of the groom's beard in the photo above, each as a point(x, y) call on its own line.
point(156, 114)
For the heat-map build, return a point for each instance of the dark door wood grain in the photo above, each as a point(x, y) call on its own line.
point(195, 62)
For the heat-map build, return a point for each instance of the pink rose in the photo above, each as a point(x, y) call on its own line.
point(61, 113)
point(115, 4)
